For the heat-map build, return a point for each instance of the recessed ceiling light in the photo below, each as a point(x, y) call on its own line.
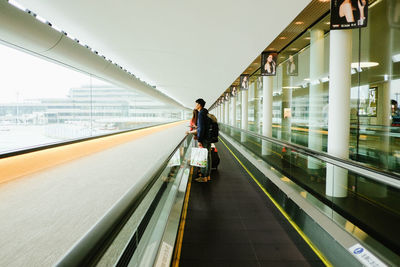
point(282, 38)
point(299, 22)
point(294, 49)
point(328, 23)
point(324, 1)
point(307, 38)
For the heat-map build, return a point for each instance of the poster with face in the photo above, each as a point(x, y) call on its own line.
point(348, 14)
point(268, 63)
point(244, 82)
point(227, 96)
point(234, 91)
point(292, 65)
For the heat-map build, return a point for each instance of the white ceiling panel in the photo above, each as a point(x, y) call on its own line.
point(188, 49)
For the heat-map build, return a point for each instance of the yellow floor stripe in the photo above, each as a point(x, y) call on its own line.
point(306, 239)
point(178, 247)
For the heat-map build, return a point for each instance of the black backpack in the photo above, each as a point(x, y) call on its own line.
point(213, 130)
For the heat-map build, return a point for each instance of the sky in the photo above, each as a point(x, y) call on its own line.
point(24, 76)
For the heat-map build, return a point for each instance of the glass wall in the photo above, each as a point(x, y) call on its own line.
point(42, 102)
point(301, 90)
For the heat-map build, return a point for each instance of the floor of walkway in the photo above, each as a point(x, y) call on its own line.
point(231, 222)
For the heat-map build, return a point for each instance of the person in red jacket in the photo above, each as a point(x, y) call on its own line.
point(193, 123)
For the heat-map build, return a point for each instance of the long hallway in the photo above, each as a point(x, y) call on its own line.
point(231, 222)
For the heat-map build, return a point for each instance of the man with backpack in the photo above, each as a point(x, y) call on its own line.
point(203, 127)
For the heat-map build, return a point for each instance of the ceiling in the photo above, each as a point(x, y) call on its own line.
point(188, 49)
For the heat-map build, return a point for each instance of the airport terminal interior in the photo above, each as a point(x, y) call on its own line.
point(101, 163)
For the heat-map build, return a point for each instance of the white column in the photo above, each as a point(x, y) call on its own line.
point(245, 115)
point(233, 115)
point(267, 112)
point(220, 113)
point(339, 109)
point(223, 112)
point(256, 107)
point(287, 91)
point(226, 104)
point(316, 94)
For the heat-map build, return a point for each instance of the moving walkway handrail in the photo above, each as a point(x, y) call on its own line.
point(379, 176)
point(87, 250)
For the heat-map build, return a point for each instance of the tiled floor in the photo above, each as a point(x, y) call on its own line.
point(230, 222)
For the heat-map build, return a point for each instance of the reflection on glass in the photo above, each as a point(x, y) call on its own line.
point(365, 202)
point(301, 90)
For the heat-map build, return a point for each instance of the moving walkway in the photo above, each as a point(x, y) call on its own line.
point(264, 206)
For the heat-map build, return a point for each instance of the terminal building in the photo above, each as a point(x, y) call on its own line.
point(98, 167)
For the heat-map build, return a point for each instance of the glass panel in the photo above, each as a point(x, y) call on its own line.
point(370, 205)
point(35, 102)
point(42, 102)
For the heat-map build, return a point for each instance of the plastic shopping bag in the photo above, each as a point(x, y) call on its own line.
point(175, 160)
point(198, 157)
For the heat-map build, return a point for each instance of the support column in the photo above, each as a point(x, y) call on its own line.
point(245, 113)
point(267, 113)
point(226, 104)
point(256, 108)
point(233, 109)
point(315, 95)
point(286, 130)
point(223, 112)
point(339, 109)
point(220, 113)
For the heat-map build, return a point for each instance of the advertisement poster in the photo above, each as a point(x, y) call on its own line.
point(292, 64)
point(244, 82)
point(348, 14)
point(234, 91)
point(268, 63)
point(227, 96)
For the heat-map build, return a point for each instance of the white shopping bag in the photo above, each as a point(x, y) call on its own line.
point(175, 160)
point(198, 157)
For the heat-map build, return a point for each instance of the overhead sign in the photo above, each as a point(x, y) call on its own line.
point(244, 82)
point(234, 91)
point(227, 96)
point(348, 14)
point(365, 257)
point(268, 63)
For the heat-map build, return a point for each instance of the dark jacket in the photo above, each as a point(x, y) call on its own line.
point(202, 125)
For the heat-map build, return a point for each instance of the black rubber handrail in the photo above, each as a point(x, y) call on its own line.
point(90, 248)
point(377, 175)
